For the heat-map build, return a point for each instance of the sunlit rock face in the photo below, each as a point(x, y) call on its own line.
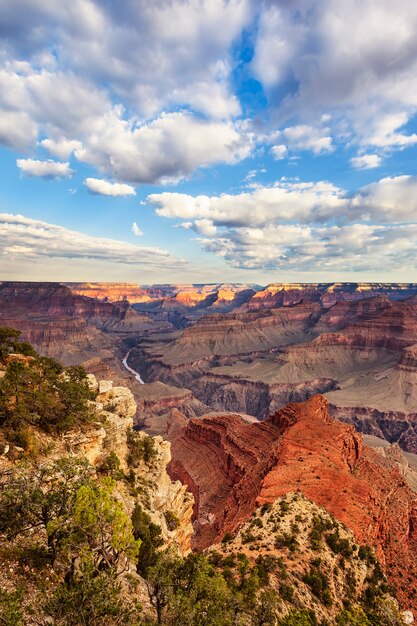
point(232, 467)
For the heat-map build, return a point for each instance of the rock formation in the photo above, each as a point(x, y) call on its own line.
point(109, 435)
point(231, 467)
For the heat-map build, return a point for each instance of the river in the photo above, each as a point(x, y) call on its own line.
point(131, 370)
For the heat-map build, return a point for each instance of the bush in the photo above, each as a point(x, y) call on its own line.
point(150, 537)
point(10, 608)
point(319, 585)
point(94, 600)
point(286, 592)
point(338, 545)
point(39, 392)
point(111, 466)
point(141, 448)
point(299, 618)
point(172, 521)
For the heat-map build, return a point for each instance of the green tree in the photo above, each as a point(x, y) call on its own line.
point(95, 600)
point(41, 393)
point(39, 495)
point(150, 537)
point(266, 611)
point(10, 608)
point(298, 618)
point(97, 529)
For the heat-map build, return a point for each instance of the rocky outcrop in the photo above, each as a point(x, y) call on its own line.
point(156, 401)
point(289, 294)
point(297, 533)
point(233, 467)
point(237, 394)
point(394, 426)
point(156, 493)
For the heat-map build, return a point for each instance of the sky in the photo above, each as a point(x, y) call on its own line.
point(208, 140)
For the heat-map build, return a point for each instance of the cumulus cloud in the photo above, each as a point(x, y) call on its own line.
point(100, 89)
point(391, 199)
point(105, 188)
point(136, 230)
point(44, 169)
point(366, 161)
point(286, 201)
point(167, 149)
point(61, 148)
point(279, 152)
point(337, 61)
point(303, 137)
point(304, 226)
point(101, 42)
point(34, 239)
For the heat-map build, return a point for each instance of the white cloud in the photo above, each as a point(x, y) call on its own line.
point(105, 188)
point(17, 129)
point(62, 148)
point(303, 137)
point(44, 169)
point(167, 149)
point(391, 199)
point(337, 62)
point(366, 161)
point(127, 44)
point(285, 201)
point(298, 226)
point(279, 152)
point(136, 230)
point(34, 239)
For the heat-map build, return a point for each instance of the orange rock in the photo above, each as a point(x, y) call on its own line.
point(232, 467)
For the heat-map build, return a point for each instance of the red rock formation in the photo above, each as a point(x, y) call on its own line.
point(232, 467)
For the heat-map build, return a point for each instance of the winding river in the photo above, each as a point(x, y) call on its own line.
point(131, 370)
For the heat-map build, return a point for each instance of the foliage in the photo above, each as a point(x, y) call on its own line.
point(299, 618)
point(319, 584)
point(39, 495)
point(150, 537)
point(10, 608)
point(141, 448)
point(9, 344)
point(38, 391)
point(172, 521)
point(338, 545)
point(352, 617)
point(95, 600)
point(97, 529)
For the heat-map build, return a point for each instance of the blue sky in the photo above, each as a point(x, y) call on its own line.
point(208, 140)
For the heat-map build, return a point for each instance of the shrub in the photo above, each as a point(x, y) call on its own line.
point(286, 592)
point(319, 585)
point(40, 392)
point(141, 448)
point(10, 608)
point(172, 521)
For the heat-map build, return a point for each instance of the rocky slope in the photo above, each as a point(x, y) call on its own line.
point(303, 543)
point(116, 409)
point(232, 466)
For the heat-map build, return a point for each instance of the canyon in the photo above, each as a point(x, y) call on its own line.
point(308, 390)
point(354, 342)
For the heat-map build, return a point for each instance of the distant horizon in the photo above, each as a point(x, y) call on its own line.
point(208, 284)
